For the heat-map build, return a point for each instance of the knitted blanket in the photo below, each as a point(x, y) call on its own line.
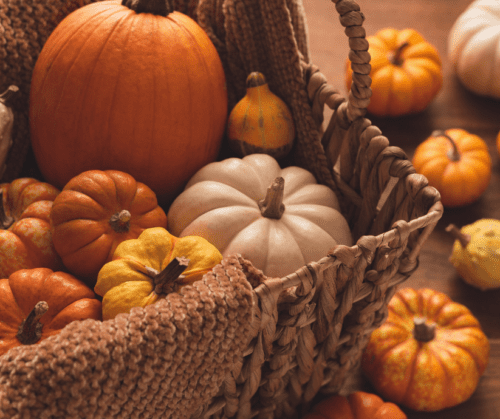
point(164, 361)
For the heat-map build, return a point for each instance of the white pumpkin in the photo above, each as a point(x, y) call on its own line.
point(6, 125)
point(233, 205)
point(474, 47)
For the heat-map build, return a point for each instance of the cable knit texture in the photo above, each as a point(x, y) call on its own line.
point(162, 361)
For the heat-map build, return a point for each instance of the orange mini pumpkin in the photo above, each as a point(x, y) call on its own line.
point(96, 211)
point(455, 162)
point(25, 236)
point(406, 72)
point(38, 303)
point(131, 86)
point(358, 405)
point(429, 354)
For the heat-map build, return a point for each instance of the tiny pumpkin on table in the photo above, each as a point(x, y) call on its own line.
point(455, 162)
point(38, 303)
point(406, 72)
point(150, 267)
point(25, 231)
point(429, 354)
point(357, 405)
point(94, 212)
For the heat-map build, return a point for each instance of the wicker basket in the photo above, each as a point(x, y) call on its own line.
point(314, 324)
point(310, 327)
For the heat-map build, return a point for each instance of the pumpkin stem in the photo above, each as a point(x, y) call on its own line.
point(463, 238)
point(453, 154)
point(7, 96)
point(272, 205)
point(422, 331)
point(156, 7)
point(120, 222)
point(5, 220)
point(165, 282)
point(30, 330)
point(395, 57)
point(255, 79)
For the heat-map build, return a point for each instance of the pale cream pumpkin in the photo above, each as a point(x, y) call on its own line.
point(280, 219)
point(473, 47)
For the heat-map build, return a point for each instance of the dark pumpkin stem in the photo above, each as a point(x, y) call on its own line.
point(120, 222)
point(422, 331)
point(255, 79)
point(453, 154)
point(463, 238)
point(30, 330)
point(272, 205)
point(156, 7)
point(396, 56)
point(8, 95)
point(5, 220)
point(167, 280)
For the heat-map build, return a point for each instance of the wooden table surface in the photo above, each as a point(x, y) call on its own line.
point(454, 107)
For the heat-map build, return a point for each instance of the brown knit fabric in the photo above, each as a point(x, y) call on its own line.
point(163, 361)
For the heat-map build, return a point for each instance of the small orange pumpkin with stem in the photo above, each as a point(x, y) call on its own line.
point(406, 72)
point(455, 162)
point(38, 303)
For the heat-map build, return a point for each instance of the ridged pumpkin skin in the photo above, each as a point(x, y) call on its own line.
point(267, 214)
point(136, 92)
point(25, 233)
point(68, 300)
point(358, 405)
point(260, 122)
point(132, 278)
point(461, 176)
point(426, 370)
point(406, 72)
point(95, 212)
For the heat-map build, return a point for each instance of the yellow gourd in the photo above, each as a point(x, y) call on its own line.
point(260, 122)
point(476, 253)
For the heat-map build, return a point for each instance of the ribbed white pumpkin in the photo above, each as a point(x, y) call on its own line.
point(221, 204)
point(474, 47)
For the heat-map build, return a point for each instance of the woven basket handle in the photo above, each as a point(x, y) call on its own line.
point(359, 94)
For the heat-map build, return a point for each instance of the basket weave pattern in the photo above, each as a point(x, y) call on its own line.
point(304, 333)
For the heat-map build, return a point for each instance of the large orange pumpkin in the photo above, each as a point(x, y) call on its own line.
point(25, 234)
point(38, 303)
point(429, 354)
point(134, 87)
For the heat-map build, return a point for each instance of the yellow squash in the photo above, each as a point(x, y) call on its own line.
point(150, 267)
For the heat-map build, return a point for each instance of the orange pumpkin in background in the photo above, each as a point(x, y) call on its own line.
point(38, 303)
point(25, 235)
point(358, 405)
point(131, 87)
point(406, 72)
point(455, 162)
point(95, 212)
point(429, 354)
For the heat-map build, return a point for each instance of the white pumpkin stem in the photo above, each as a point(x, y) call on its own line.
point(30, 330)
point(120, 222)
point(396, 55)
point(156, 7)
point(453, 154)
point(166, 281)
point(5, 220)
point(7, 96)
point(422, 331)
point(272, 205)
point(463, 238)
